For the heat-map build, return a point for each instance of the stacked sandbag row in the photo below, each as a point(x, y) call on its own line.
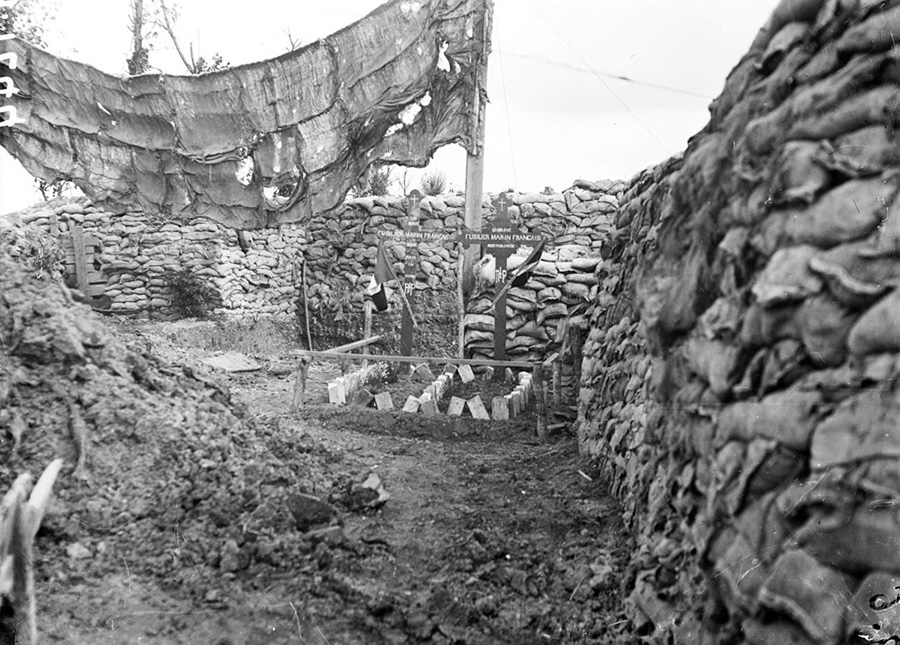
point(139, 255)
point(340, 257)
point(553, 299)
point(541, 314)
point(579, 216)
point(258, 274)
point(612, 404)
point(264, 272)
point(343, 247)
point(771, 458)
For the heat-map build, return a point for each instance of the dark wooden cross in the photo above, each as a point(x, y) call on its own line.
point(409, 275)
point(500, 239)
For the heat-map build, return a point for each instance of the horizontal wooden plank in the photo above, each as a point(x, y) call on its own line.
point(387, 358)
point(355, 345)
point(96, 290)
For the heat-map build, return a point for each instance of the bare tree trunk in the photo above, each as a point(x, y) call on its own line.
point(139, 61)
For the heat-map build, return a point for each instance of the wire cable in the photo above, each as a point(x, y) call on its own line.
point(600, 78)
point(512, 154)
point(618, 77)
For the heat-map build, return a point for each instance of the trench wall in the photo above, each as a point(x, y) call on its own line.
point(133, 256)
point(745, 398)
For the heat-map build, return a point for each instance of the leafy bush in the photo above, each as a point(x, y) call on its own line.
point(380, 181)
point(191, 297)
point(375, 182)
point(433, 183)
point(34, 249)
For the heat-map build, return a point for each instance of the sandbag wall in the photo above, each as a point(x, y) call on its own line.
point(614, 405)
point(765, 464)
point(261, 273)
point(137, 254)
point(576, 223)
point(549, 311)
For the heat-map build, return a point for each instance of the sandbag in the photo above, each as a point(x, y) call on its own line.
point(878, 330)
point(787, 277)
point(794, 587)
point(824, 326)
point(788, 417)
point(846, 213)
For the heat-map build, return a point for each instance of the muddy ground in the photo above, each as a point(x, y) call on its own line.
point(488, 535)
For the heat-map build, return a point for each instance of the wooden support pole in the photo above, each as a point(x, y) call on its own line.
point(309, 344)
point(368, 305)
point(474, 198)
point(408, 287)
point(474, 173)
point(300, 384)
point(557, 382)
point(540, 404)
point(80, 263)
point(468, 256)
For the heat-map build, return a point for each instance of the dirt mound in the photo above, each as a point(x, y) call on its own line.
point(163, 473)
point(181, 518)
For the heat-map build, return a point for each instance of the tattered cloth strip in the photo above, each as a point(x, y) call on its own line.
point(262, 144)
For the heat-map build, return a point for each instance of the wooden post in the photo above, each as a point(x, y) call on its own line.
point(300, 384)
point(474, 199)
point(305, 303)
point(501, 239)
point(409, 278)
point(474, 171)
point(501, 255)
point(80, 263)
point(557, 381)
point(368, 305)
point(540, 405)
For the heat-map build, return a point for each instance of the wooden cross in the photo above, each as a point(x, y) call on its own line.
point(409, 276)
point(500, 239)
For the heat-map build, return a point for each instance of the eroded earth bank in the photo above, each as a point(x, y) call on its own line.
point(203, 511)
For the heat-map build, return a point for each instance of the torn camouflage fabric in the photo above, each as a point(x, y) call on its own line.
point(262, 144)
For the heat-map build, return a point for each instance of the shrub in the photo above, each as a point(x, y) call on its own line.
point(191, 297)
point(433, 183)
point(376, 182)
point(380, 181)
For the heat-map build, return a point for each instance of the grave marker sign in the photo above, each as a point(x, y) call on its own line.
point(409, 275)
point(411, 237)
point(500, 239)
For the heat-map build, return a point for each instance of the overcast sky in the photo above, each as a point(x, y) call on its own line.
point(557, 113)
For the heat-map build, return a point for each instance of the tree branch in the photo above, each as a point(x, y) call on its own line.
point(170, 29)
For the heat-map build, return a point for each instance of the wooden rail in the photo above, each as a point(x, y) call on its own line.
point(333, 354)
point(349, 347)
